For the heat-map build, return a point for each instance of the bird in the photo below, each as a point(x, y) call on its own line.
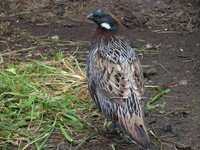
point(115, 78)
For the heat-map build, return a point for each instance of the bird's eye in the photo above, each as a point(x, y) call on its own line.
point(98, 16)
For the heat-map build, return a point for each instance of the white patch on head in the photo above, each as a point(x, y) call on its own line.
point(105, 25)
point(99, 10)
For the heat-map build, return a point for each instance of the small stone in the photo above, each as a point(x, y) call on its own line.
point(168, 128)
point(183, 82)
point(55, 37)
point(179, 14)
point(151, 72)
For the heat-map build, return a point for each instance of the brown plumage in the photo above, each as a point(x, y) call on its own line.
point(115, 78)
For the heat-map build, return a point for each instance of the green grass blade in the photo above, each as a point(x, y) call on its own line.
point(48, 135)
point(28, 103)
point(157, 96)
point(65, 133)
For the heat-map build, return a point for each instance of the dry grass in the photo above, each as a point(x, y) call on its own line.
point(41, 98)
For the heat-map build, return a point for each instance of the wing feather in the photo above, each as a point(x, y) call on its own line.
point(115, 81)
point(115, 69)
point(118, 78)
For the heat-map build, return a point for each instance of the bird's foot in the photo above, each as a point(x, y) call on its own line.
point(112, 127)
point(125, 138)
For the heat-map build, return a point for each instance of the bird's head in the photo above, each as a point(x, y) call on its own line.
point(104, 20)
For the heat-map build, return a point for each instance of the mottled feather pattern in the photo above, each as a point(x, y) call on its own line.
point(134, 127)
point(115, 79)
point(115, 70)
point(116, 50)
point(137, 77)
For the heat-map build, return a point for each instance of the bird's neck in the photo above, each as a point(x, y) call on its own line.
point(104, 34)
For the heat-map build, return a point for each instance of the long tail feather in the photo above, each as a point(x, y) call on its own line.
point(134, 127)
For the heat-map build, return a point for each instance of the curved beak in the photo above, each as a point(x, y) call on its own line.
point(90, 16)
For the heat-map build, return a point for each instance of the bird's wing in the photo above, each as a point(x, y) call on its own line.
point(119, 78)
point(121, 81)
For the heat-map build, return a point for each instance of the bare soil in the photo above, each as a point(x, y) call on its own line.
point(166, 35)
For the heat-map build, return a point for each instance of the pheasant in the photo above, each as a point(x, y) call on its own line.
point(115, 78)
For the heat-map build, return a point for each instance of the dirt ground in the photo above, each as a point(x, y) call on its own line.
point(166, 35)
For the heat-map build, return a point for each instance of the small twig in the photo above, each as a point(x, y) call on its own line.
point(169, 143)
point(164, 32)
point(86, 139)
point(165, 69)
point(16, 51)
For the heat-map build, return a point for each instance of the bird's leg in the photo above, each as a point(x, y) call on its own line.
point(113, 125)
point(125, 138)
